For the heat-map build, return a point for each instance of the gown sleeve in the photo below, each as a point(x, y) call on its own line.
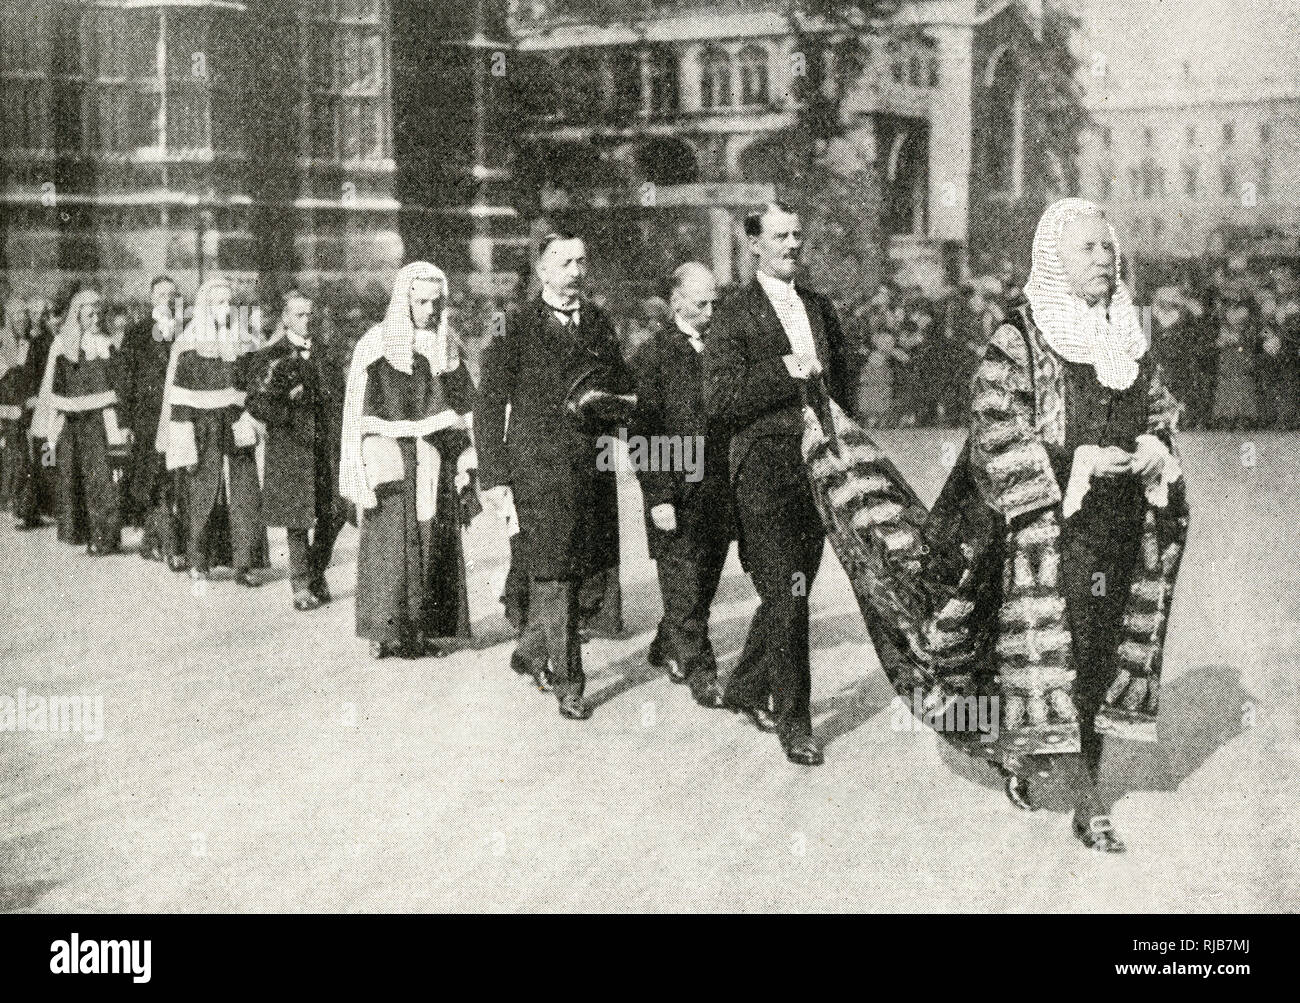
point(1011, 465)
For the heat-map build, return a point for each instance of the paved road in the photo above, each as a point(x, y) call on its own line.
point(252, 758)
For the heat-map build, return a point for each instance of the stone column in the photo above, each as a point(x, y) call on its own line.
point(721, 228)
point(950, 135)
point(688, 77)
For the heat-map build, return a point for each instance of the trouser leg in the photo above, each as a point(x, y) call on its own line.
point(688, 584)
point(299, 559)
point(329, 524)
point(552, 634)
point(100, 488)
point(246, 530)
point(784, 550)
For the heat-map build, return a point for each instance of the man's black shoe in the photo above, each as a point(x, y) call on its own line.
point(1098, 834)
point(574, 708)
point(805, 752)
point(708, 694)
point(542, 678)
point(763, 718)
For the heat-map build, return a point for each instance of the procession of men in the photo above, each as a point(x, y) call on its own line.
point(193, 430)
point(205, 436)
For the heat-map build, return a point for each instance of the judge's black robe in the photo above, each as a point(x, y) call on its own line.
point(411, 572)
point(223, 485)
point(18, 384)
point(89, 473)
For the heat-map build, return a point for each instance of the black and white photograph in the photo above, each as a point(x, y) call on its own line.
point(650, 457)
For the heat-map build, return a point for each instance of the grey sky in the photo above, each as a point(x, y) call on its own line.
point(1147, 41)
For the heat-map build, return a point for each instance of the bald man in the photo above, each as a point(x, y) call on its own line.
point(688, 499)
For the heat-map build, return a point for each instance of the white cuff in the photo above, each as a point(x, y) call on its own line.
point(1157, 484)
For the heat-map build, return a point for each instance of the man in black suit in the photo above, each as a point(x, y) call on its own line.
point(543, 470)
point(776, 346)
point(687, 487)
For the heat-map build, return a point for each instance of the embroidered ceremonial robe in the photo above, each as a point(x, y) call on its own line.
point(85, 407)
point(410, 563)
point(992, 593)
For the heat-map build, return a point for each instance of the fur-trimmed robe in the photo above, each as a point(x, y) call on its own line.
point(965, 601)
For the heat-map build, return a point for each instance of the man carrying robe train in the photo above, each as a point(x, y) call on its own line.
point(406, 458)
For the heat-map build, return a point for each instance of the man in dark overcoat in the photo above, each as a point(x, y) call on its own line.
point(776, 346)
point(685, 484)
point(542, 467)
point(298, 394)
point(152, 493)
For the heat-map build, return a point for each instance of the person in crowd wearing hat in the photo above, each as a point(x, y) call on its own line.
point(1180, 350)
point(1236, 395)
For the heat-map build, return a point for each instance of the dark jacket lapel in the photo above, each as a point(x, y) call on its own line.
point(769, 324)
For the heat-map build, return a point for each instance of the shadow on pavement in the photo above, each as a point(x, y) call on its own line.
point(1200, 713)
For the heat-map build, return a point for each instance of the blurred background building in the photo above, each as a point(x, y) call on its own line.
point(1196, 120)
point(657, 131)
point(189, 135)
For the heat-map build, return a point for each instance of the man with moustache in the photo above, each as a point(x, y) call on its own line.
point(556, 369)
point(776, 347)
point(688, 516)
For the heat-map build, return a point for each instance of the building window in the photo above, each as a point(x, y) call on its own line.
point(914, 71)
point(1191, 135)
point(348, 54)
point(1135, 181)
point(896, 68)
point(1190, 181)
point(934, 71)
point(1229, 133)
point(1157, 228)
point(1107, 138)
point(753, 75)
point(664, 98)
point(622, 69)
point(1228, 181)
point(24, 42)
point(715, 79)
point(1153, 180)
point(1265, 133)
